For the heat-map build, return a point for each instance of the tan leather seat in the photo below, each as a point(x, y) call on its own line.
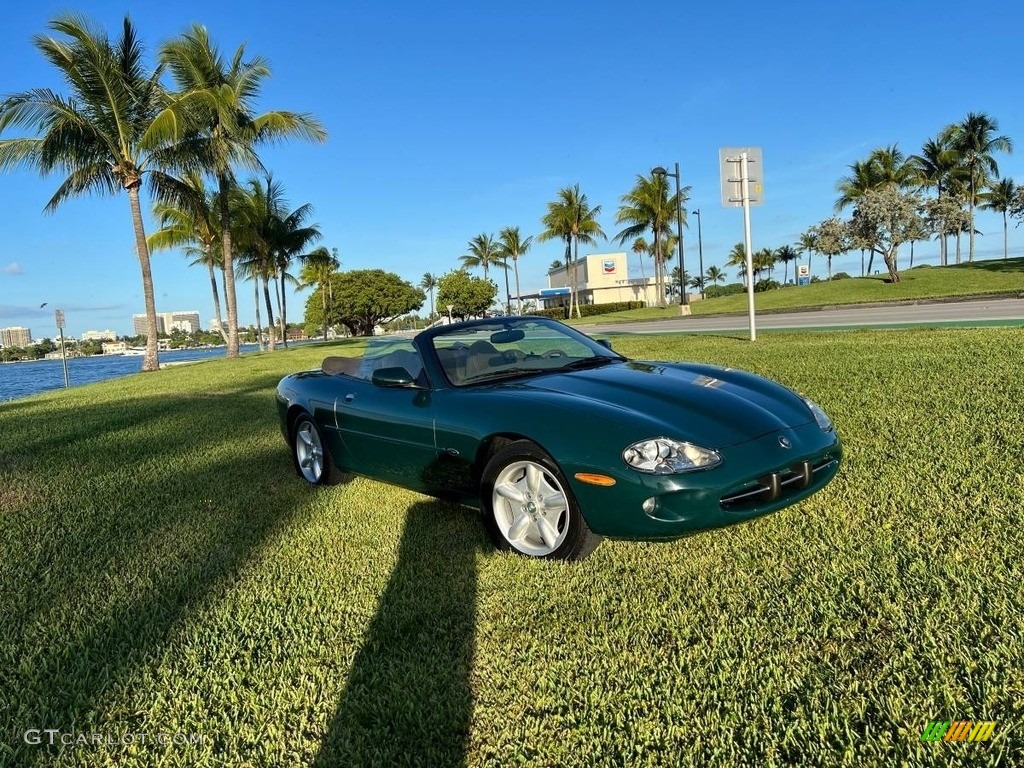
point(340, 366)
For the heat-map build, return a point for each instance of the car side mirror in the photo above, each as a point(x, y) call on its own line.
point(392, 377)
point(605, 343)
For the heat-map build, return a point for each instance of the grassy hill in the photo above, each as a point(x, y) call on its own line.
point(162, 571)
point(979, 278)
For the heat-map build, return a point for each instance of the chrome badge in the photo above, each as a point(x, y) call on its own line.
point(785, 442)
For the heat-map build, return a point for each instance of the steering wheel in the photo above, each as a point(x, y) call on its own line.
point(554, 353)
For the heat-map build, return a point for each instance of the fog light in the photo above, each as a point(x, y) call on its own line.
point(651, 505)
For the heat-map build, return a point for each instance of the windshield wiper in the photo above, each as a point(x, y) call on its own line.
point(503, 373)
point(589, 362)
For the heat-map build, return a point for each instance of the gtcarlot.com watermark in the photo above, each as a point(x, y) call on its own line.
point(55, 737)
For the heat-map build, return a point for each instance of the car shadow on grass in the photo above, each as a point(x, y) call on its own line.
point(408, 699)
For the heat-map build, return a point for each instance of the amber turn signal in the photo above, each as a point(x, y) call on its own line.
point(592, 479)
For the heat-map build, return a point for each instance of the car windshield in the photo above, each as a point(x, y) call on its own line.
point(515, 347)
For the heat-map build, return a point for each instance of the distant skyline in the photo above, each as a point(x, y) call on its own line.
point(450, 120)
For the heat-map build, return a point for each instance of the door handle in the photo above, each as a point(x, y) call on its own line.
point(349, 398)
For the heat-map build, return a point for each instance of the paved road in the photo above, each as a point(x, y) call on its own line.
point(1006, 310)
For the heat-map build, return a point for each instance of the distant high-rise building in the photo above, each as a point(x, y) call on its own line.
point(187, 321)
point(141, 327)
point(15, 336)
point(181, 321)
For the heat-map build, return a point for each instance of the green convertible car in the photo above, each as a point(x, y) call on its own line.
point(558, 439)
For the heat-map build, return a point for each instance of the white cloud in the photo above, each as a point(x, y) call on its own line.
point(14, 268)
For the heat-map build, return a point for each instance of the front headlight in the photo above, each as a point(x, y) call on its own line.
point(664, 456)
point(819, 416)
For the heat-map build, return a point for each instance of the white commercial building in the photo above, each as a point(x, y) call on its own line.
point(99, 336)
point(599, 278)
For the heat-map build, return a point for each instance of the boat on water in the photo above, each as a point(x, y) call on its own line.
point(135, 351)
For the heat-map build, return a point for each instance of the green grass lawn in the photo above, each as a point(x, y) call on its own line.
point(979, 278)
point(163, 571)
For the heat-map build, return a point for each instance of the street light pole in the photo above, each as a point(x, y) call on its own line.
point(684, 306)
point(700, 250)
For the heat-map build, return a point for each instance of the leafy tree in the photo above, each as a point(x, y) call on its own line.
point(945, 216)
point(363, 299)
point(556, 264)
point(833, 235)
point(571, 218)
point(319, 267)
point(216, 111)
point(468, 296)
point(975, 139)
point(105, 134)
point(648, 206)
point(512, 245)
point(999, 198)
point(885, 219)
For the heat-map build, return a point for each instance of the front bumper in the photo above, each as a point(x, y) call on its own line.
point(754, 479)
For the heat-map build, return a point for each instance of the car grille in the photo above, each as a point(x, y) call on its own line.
point(777, 485)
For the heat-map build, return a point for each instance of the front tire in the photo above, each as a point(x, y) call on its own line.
point(530, 508)
point(311, 456)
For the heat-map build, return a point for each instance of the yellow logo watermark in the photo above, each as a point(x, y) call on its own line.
point(958, 730)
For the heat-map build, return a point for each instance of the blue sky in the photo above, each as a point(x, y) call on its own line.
point(448, 120)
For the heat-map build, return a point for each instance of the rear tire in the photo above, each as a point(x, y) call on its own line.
point(529, 506)
point(311, 456)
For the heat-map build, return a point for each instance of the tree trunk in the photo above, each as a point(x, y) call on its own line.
point(1006, 243)
point(911, 254)
point(575, 267)
point(890, 263)
point(519, 294)
point(151, 361)
point(271, 324)
point(284, 312)
point(871, 260)
point(323, 303)
point(958, 247)
point(259, 325)
point(216, 299)
point(970, 205)
point(224, 185)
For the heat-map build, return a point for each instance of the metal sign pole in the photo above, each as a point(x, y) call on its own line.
point(58, 317)
point(745, 193)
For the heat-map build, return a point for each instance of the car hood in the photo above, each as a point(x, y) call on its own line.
point(712, 406)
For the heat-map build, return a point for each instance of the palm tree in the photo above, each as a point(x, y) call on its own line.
point(642, 248)
point(484, 252)
point(571, 218)
point(938, 166)
point(786, 254)
point(648, 206)
point(714, 275)
point(106, 135)
point(738, 258)
point(809, 244)
point(999, 198)
point(429, 284)
point(187, 219)
point(216, 108)
point(885, 165)
point(763, 261)
point(290, 237)
point(975, 139)
point(318, 267)
point(253, 220)
point(556, 264)
point(511, 246)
